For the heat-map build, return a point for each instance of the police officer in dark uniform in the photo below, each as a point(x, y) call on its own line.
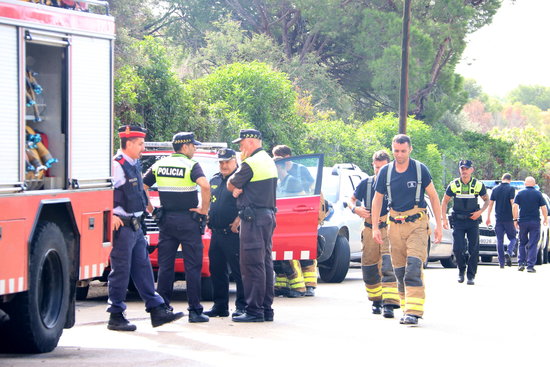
point(465, 218)
point(254, 185)
point(129, 255)
point(224, 221)
point(177, 177)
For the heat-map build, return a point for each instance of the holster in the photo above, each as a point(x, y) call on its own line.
point(157, 214)
point(201, 219)
point(247, 214)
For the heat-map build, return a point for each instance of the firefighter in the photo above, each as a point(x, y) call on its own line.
point(295, 278)
point(465, 218)
point(376, 264)
point(404, 181)
point(254, 185)
point(224, 222)
point(182, 219)
point(129, 254)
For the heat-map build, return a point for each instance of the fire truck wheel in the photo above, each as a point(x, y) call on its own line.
point(335, 269)
point(39, 314)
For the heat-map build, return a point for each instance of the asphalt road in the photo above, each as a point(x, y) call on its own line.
point(502, 320)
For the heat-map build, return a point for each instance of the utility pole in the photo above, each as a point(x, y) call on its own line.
point(404, 90)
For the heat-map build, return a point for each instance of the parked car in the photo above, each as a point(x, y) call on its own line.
point(339, 184)
point(487, 235)
point(442, 251)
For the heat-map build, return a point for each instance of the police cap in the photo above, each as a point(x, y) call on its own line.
point(131, 131)
point(226, 155)
point(248, 133)
point(465, 163)
point(184, 138)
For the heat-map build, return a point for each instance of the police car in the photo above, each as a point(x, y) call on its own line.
point(487, 235)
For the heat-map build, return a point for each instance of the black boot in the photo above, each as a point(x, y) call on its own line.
point(118, 322)
point(376, 307)
point(216, 312)
point(161, 315)
point(310, 291)
point(196, 316)
point(461, 276)
point(388, 312)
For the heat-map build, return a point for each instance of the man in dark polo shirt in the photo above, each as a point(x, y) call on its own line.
point(254, 185)
point(529, 202)
point(224, 222)
point(502, 197)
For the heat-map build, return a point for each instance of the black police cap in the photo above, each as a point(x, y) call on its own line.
point(226, 154)
point(465, 163)
point(248, 133)
point(185, 138)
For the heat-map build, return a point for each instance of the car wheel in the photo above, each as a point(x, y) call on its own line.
point(449, 263)
point(37, 316)
point(486, 258)
point(82, 292)
point(207, 294)
point(335, 269)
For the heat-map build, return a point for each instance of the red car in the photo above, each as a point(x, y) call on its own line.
point(295, 236)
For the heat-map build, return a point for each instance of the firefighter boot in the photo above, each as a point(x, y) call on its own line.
point(118, 322)
point(376, 307)
point(388, 311)
point(310, 291)
point(411, 320)
point(161, 315)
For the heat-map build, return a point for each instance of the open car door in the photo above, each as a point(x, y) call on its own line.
point(298, 201)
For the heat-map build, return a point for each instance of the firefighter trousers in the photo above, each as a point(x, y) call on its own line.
point(409, 249)
point(295, 275)
point(377, 268)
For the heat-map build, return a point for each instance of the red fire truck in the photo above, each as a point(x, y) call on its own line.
point(56, 196)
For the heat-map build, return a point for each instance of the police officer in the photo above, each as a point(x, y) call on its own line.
point(294, 278)
point(404, 181)
point(129, 255)
point(503, 197)
point(376, 264)
point(177, 177)
point(254, 185)
point(465, 217)
point(528, 204)
point(224, 222)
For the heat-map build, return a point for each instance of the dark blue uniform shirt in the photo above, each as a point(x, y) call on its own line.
point(501, 195)
point(223, 206)
point(403, 186)
point(361, 194)
point(529, 200)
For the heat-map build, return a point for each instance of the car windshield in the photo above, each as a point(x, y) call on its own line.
point(330, 187)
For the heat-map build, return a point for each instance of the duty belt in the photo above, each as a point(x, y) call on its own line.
point(380, 225)
point(226, 230)
point(407, 218)
point(131, 222)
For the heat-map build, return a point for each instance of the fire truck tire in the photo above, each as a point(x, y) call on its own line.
point(335, 269)
point(207, 293)
point(38, 315)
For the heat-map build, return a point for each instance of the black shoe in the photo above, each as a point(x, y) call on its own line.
point(409, 320)
point(461, 277)
point(310, 291)
point(471, 281)
point(388, 312)
point(246, 317)
point(161, 315)
point(376, 307)
point(196, 316)
point(281, 292)
point(238, 312)
point(295, 294)
point(502, 266)
point(508, 260)
point(531, 269)
point(216, 312)
point(521, 267)
point(118, 322)
point(268, 315)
